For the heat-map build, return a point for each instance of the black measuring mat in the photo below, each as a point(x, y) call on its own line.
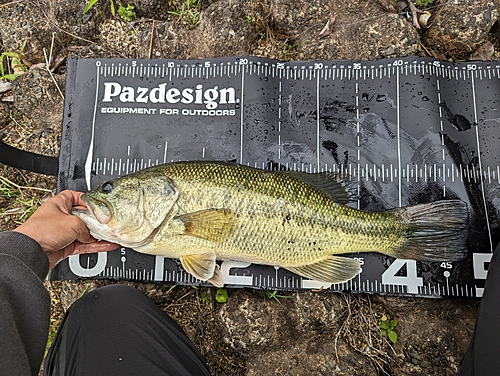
point(400, 131)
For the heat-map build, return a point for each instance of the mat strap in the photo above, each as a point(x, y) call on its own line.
point(42, 164)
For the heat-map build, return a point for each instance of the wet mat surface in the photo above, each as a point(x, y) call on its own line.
point(400, 132)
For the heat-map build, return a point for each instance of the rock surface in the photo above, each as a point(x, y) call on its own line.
point(461, 27)
point(253, 333)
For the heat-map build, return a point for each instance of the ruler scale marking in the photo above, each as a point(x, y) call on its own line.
point(440, 171)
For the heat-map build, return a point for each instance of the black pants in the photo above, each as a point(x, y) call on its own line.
point(483, 356)
point(117, 330)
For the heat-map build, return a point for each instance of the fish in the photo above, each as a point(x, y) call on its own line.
point(203, 211)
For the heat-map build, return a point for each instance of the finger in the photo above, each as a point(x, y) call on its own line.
point(70, 198)
point(79, 248)
point(77, 198)
point(84, 236)
point(94, 247)
point(63, 202)
point(82, 233)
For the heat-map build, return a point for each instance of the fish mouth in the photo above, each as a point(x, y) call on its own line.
point(99, 209)
point(80, 209)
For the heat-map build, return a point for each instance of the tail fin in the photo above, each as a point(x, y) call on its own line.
point(435, 231)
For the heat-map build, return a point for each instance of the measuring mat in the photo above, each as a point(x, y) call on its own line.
point(398, 131)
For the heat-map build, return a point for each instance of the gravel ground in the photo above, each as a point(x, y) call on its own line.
point(303, 333)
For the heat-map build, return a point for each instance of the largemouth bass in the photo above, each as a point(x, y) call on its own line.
point(200, 212)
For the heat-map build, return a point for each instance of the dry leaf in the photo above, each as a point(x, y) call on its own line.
point(38, 66)
point(438, 55)
point(12, 211)
point(5, 86)
point(484, 53)
point(55, 64)
point(328, 29)
point(414, 11)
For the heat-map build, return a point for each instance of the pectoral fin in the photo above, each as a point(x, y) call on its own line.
point(202, 266)
point(334, 269)
point(211, 224)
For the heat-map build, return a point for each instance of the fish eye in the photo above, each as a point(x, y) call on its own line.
point(106, 187)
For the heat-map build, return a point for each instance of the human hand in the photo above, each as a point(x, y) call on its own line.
point(59, 233)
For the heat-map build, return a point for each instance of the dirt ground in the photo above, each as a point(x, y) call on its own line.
point(255, 332)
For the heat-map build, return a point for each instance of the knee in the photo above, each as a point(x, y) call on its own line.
point(116, 295)
point(116, 290)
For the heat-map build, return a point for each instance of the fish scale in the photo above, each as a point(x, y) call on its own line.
point(253, 194)
point(207, 211)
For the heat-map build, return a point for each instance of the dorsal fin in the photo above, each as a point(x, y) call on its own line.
point(328, 182)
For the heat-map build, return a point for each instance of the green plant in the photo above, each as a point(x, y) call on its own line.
point(91, 3)
point(28, 205)
point(204, 297)
point(7, 189)
point(127, 13)
point(171, 288)
point(274, 295)
point(423, 3)
point(189, 12)
point(251, 19)
point(221, 296)
point(387, 328)
point(18, 62)
point(18, 200)
point(87, 287)
point(52, 334)
point(288, 47)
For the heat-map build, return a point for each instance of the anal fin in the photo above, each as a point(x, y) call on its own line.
point(201, 265)
point(333, 269)
point(217, 279)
